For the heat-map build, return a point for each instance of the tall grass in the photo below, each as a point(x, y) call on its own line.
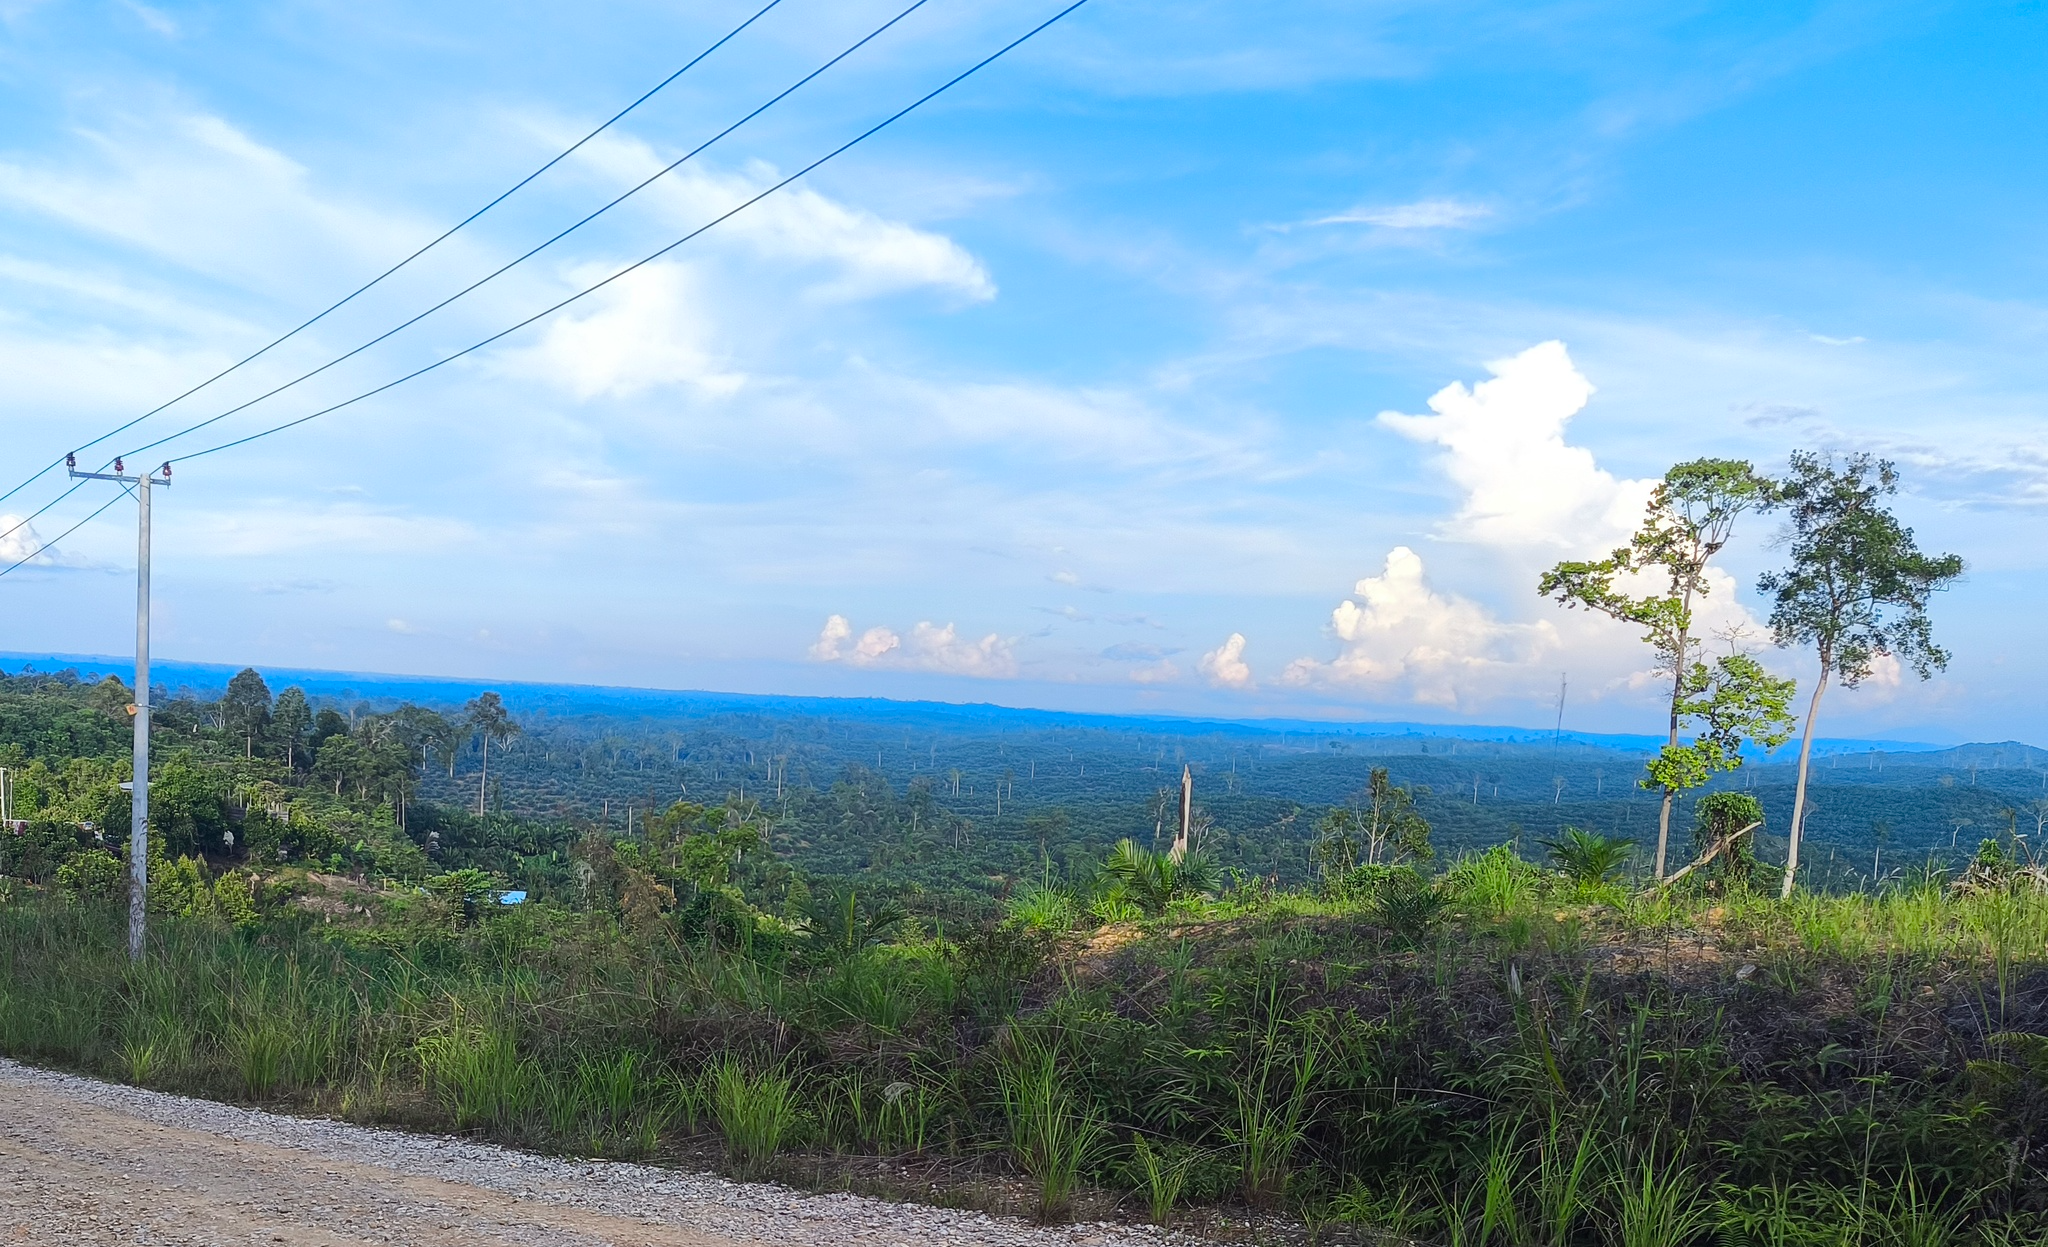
point(754, 1111)
point(1271, 1049)
point(1052, 1134)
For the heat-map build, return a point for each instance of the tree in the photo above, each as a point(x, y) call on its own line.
point(1856, 588)
point(328, 723)
point(245, 708)
point(291, 717)
point(487, 718)
point(1381, 819)
point(1733, 701)
point(424, 733)
point(1152, 880)
point(1690, 517)
point(341, 758)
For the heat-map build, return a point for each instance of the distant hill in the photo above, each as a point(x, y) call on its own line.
point(383, 690)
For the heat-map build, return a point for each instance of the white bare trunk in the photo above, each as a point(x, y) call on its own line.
point(1799, 791)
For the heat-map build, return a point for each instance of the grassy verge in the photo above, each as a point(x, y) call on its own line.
point(1503, 1058)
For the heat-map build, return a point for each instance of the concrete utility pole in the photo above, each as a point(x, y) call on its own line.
point(138, 806)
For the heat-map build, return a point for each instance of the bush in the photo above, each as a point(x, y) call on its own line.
point(1406, 903)
point(35, 854)
point(92, 875)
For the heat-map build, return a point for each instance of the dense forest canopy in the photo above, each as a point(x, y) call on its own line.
point(949, 811)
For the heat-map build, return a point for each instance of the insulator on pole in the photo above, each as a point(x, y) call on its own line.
point(118, 468)
point(70, 462)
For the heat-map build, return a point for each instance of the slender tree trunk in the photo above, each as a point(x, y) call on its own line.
point(1664, 830)
point(1677, 691)
point(1799, 791)
point(483, 776)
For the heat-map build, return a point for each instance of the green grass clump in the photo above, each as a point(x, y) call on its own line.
point(1052, 1134)
point(754, 1112)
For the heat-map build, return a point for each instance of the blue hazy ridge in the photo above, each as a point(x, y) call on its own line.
point(382, 690)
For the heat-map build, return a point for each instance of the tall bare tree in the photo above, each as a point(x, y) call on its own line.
point(488, 718)
point(1856, 589)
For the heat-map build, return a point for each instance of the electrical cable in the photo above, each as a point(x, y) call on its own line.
point(640, 263)
point(193, 428)
point(366, 286)
point(862, 137)
point(521, 259)
point(51, 543)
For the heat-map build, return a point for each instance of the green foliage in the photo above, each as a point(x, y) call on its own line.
point(1051, 1135)
point(38, 851)
point(245, 708)
point(1734, 701)
point(1152, 880)
point(1717, 816)
point(1051, 911)
point(1586, 856)
point(1407, 904)
point(1164, 1175)
point(1660, 1207)
point(754, 1112)
point(1380, 822)
point(1857, 585)
point(94, 875)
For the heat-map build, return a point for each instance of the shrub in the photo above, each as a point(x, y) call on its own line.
point(1041, 909)
point(1720, 814)
point(39, 851)
point(1406, 903)
point(92, 875)
point(1587, 856)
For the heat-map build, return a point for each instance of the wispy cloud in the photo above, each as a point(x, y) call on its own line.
point(1423, 214)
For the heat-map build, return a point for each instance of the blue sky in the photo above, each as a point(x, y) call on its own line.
point(1117, 379)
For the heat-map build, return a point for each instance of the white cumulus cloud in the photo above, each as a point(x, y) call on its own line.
point(1529, 499)
point(1503, 443)
point(1225, 665)
point(830, 638)
point(928, 647)
point(1400, 637)
point(19, 542)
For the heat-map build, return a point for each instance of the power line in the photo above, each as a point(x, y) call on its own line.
point(521, 259)
point(31, 555)
point(649, 259)
point(443, 237)
point(192, 428)
point(863, 136)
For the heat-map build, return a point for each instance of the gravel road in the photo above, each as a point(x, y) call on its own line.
point(91, 1162)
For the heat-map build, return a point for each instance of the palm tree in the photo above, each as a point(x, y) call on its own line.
point(1587, 856)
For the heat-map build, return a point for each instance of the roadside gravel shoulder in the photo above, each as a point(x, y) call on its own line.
point(507, 1187)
